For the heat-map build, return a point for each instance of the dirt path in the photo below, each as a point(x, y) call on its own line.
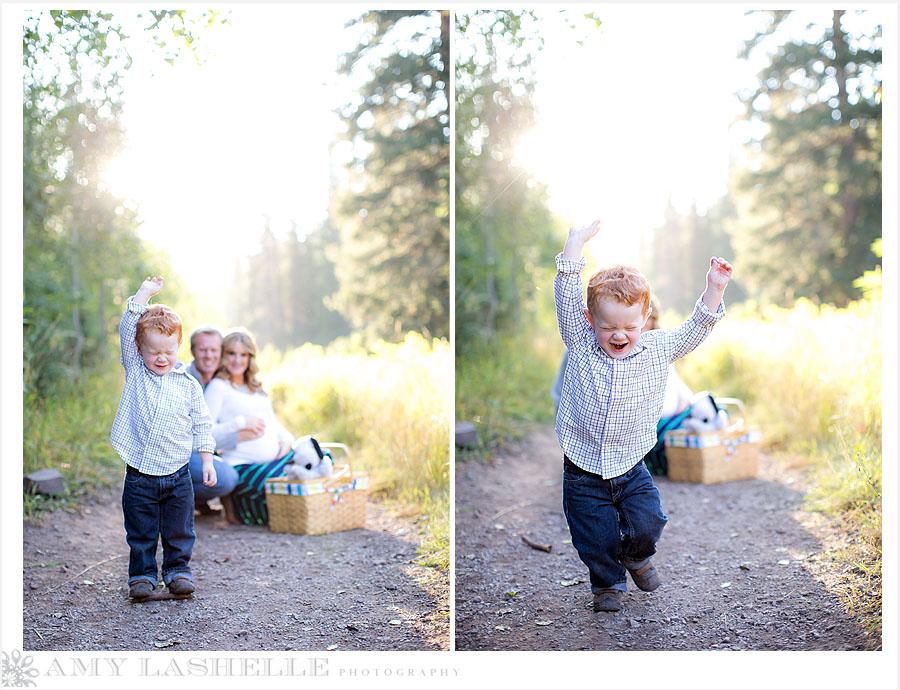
point(744, 566)
point(257, 590)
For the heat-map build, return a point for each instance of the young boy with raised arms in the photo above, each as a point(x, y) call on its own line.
point(612, 393)
point(162, 418)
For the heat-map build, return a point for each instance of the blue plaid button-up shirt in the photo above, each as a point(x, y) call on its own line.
point(609, 408)
point(161, 419)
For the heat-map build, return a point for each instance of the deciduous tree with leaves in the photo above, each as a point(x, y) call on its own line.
point(504, 230)
point(80, 243)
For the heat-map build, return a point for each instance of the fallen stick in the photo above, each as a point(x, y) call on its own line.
point(535, 545)
point(111, 558)
point(508, 510)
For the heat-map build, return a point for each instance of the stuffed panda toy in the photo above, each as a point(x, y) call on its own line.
point(309, 461)
point(704, 415)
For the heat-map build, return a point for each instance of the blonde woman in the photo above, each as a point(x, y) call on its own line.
point(236, 393)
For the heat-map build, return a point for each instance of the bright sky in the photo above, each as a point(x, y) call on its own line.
point(639, 112)
point(215, 148)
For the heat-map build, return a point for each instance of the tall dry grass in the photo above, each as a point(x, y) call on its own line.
point(390, 403)
point(811, 378)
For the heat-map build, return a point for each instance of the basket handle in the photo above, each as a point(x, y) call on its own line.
point(346, 469)
point(337, 445)
point(332, 478)
point(738, 403)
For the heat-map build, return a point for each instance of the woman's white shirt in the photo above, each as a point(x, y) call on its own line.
point(678, 395)
point(226, 402)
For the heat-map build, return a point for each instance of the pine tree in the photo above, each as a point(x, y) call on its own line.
point(393, 263)
point(812, 194)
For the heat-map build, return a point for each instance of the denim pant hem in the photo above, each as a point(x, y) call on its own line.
point(152, 579)
point(168, 577)
point(635, 565)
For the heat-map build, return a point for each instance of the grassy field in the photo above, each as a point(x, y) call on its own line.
point(389, 404)
point(810, 377)
point(504, 386)
point(69, 432)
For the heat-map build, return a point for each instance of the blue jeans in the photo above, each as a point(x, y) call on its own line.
point(226, 478)
point(614, 523)
point(157, 507)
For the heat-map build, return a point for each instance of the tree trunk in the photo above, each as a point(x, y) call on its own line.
point(445, 51)
point(77, 330)
point(490, 261)
point(849, 195)
point(103, 345)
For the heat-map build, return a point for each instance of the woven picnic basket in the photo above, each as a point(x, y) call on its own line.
point(714, 456)
point(318, 506)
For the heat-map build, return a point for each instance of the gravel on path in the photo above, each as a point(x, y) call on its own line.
point(744, 566)
point(361, 589)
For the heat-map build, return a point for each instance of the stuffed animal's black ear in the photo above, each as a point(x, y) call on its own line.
point(316, 446)
point(713, 402)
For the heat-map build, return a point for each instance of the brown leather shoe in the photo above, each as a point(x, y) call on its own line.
point(646, 576)
point(609, 600)
point(140, 590)
point(181, 585)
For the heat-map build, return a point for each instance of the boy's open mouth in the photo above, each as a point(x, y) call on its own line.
point(618, 347)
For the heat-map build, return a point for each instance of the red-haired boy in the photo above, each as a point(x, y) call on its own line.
point(612, 393)
point(162, 418)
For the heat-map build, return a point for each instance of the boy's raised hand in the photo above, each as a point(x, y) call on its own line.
point(584, 232)
point(151, 286)
point(578, 237)
point(719, 273)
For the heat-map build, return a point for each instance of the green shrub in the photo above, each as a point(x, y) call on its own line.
point(503, 386)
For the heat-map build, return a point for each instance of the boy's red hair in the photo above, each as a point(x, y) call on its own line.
point(623, 283)
point(158, 317)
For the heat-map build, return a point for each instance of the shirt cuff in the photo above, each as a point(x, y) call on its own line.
point(134, 307)
point(205, 444)
point(706, 315)
point(569, 266)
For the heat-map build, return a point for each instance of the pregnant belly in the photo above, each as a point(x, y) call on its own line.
point(262, 449)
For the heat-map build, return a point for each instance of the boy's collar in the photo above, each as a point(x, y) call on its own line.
point(179, 368)
point(635, 350)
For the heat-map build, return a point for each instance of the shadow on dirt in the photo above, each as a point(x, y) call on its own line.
point(735, 562)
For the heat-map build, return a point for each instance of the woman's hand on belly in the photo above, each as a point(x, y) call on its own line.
point(262, 449)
